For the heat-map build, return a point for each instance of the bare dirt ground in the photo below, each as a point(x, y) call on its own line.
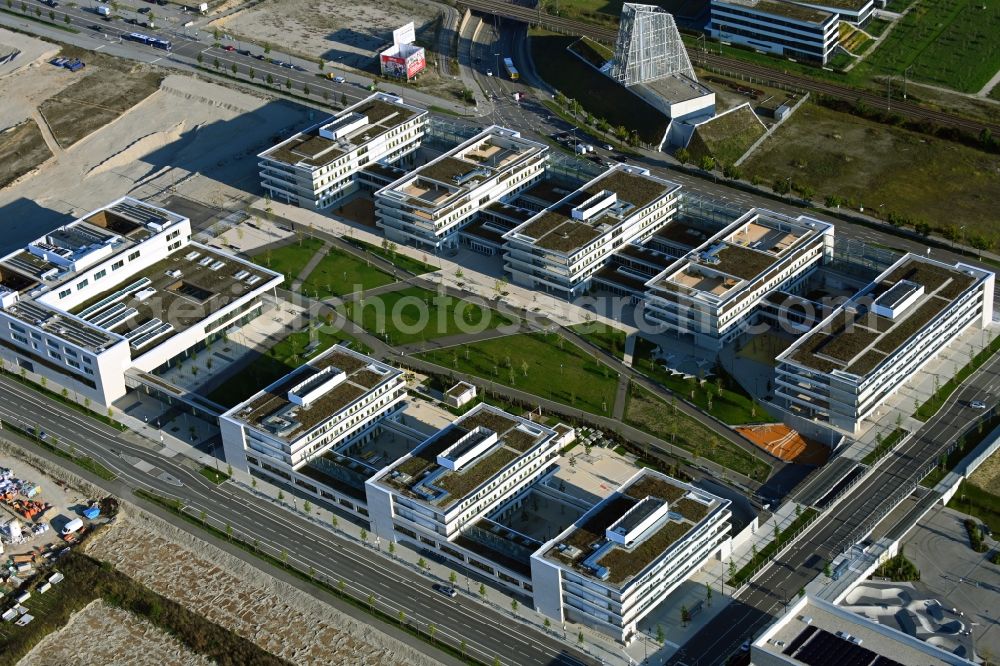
point(96, 100)
point(103, 634)
point(987, 476)
point(276, 616)
point(189, 137)
point(342, 31)
point(29, 51)
point(22, 148)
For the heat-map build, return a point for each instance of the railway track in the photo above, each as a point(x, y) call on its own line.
point(608, 35)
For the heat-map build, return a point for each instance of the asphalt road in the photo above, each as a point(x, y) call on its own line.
point(848, 522)
point(487, 633)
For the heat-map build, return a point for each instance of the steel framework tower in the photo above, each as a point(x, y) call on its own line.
point(649, 46)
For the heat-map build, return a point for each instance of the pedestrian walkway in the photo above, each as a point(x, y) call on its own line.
point(310, 266)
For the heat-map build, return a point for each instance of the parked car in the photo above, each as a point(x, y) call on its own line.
point(977, 404)
point(230, 47)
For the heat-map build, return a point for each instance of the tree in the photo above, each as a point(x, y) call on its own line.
point(371, 603)
point(579, 638)
point(270, 79)
point(708, 594)
point(826, 569)
point(462, 646)
point(235, 69)
point(422, 563)
point(333, 520)
point(732, 568)
point(203, 516)
point(343, 99)
point(321, 64)
point(281, 496)
point(306, 506)
point(401, 617)
point(432, 631)
point(683, 155)
point(661, 637)
point(708, 163)
point(392, 547)
point(514, 605)
point(66, 19)
point(200, 58)
point(452, 577)
point(283, 556)
point(267, 47)
point(364, 535)
point(288, 84)
point(229, 531)
point(732, 172)
point(685, 615)
point(216, 63)
point(305, 90)
point(482, 590)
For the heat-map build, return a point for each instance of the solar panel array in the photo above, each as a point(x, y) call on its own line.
point(818, 647)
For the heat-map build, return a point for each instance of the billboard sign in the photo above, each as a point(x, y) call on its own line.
point(415, 63)
point(405, 35)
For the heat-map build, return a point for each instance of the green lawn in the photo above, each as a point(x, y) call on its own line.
point(289, 259)
point(604, 336)
point(951, 43)
point(414, 314)
point(408, 264)
point(977, 502)
point(543, 364)
point(340, 273)
point(213, 475)
point(649, 413)
point(277, 362)
point(729, 402)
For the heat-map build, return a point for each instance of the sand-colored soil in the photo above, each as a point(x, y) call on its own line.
point(341, 31)
point(189, 137)
point(102, 634)
point(22, 148)
point(276, 616)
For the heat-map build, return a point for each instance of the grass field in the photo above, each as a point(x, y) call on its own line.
point(598, 94)
point(726, 137)
point(401, 260)
point(884, 169)
point(22, 148)
point(340, 273)
point(647, 412)
point(952, 43)
point(987, 476)
point(975, 501)
point(721, 397)
point(543, 364)
point(289, 259)
point(414, 314)
point(277, 362)
point(608, 338)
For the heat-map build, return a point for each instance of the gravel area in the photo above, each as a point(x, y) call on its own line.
point(275, 615)
point(987, 476)
point(103, 634)
point(342, 31)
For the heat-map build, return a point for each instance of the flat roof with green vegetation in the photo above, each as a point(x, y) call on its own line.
point(858, 342)
point(415, 314)
point(727, 136)
point(421, 476)
point(543, 364)
point(785, 9)
point(586, 545)
point(919, 179)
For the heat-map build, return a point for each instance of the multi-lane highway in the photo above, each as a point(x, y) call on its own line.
point(488, 633)
point(846, 523)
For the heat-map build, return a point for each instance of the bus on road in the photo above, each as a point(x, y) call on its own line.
point(511, 71)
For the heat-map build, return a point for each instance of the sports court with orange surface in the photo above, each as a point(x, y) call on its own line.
point(785, 444)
